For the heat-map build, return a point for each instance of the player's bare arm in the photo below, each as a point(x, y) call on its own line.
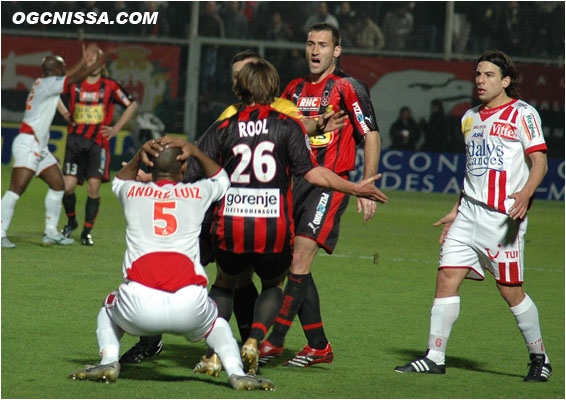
point(372, 151)
point(539, 167)
point(129, 171)
point(64, 112)
point(324, 177)
point(111, 131)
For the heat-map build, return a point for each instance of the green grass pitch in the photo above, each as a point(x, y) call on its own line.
point(376, 315)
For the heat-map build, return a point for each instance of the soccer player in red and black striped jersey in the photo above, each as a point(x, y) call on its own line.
point(87, 153)
point(260, 148)
point(317, 211)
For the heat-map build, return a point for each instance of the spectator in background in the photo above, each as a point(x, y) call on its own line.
point(279, 30)
point(405, 131)
point(321, 16)
point(436, 131)
point(235, 23)
point(209, 25)
point(345, 15)
point(368, 34)
point(397, 26)
point(87, 7)
point(460, 32)
point(430, 18)
point(113, 9)
point(161, 28)
point(484, 20)
point(348, 32)
point(550, 30)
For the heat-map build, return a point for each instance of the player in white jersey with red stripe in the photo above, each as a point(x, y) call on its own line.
point(31, 154)
point(165, 284)
point(505, 163)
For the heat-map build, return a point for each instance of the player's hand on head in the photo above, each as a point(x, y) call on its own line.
point(151, 147)
point(187, 148)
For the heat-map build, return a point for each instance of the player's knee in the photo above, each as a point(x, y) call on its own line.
point(513, 295)
point(447, 283)
point(18, 188)
point(301, 263)
point(57, 185)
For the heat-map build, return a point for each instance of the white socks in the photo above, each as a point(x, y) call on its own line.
point(9, 201)
point(222, 341)
point(108, 335)
point(526, 314)
point(53, 206)
point(443, 314)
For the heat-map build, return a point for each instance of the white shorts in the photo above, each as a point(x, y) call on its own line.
point(27, 154)
point(481, 238)
point(142, 311)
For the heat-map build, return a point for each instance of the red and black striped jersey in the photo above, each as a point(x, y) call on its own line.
point(92, 106)
point(335, 150)
point(259, 148)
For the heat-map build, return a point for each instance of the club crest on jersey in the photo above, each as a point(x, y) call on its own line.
point(308, 103)
point(530, 125)
point(89, 96)
point(504, 130)
point(325, 98)
point(321, 140)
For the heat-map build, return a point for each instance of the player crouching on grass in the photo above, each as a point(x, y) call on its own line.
point(163, 275)
point(486, 227)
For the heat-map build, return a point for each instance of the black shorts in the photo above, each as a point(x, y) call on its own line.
point(317, 213)
point(266, 266)
point(205, 238)
point(84, 159)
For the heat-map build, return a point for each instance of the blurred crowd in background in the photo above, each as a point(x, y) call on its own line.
point(522, 28)
point(531, 30)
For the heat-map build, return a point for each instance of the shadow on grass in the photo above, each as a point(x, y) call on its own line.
point(455, 362)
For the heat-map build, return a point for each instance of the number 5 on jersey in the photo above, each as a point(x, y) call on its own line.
point(164, 221)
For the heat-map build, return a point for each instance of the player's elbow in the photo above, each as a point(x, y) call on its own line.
point(133, 106)
point(314, 177)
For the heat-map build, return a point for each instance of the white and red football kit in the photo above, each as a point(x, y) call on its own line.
point(30, 146)
point(161, 263)
point(498, 142)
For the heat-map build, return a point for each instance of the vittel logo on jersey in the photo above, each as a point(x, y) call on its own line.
point(483, 156)
point(320, 210)
point(308, 103)
point(360, 116)
point(89, 96)
point(245, 202)
point(503, 130)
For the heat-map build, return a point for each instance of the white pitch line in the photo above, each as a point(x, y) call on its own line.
point(415, 261)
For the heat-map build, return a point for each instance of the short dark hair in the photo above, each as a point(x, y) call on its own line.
point(167, 162)
point(257, 82)
point(51, 65)
point(244, 55)
point(336, 39)
point(506, 67)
